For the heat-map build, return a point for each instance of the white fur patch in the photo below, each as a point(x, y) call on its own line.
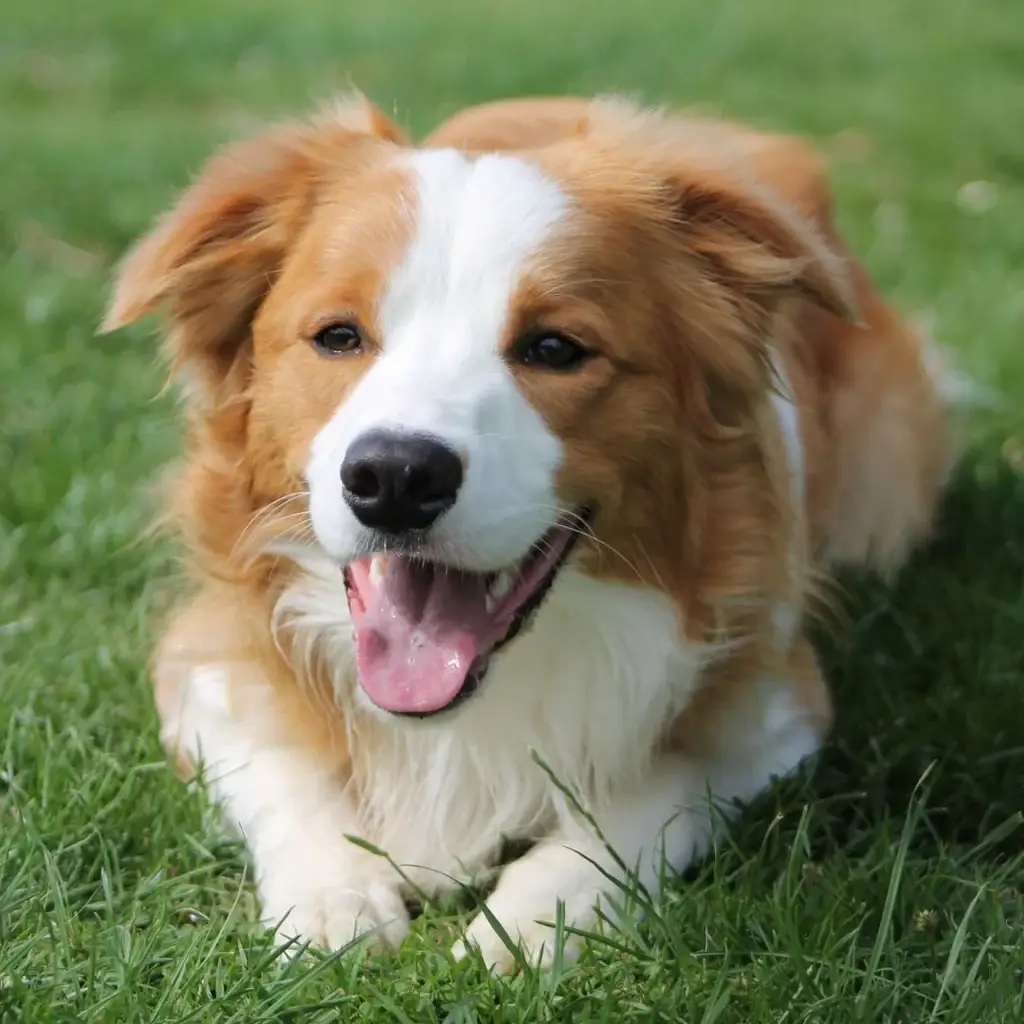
point(784, 403)
point(953, 386)
point(479, 224)
point(785, 616)
point(293, 813)
point(211, 683)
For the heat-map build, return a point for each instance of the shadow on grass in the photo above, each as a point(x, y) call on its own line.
point(930, 672)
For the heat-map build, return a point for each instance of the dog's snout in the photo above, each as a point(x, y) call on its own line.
point(397, 482)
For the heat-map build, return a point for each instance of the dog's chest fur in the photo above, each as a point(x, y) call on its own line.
point(577, 702)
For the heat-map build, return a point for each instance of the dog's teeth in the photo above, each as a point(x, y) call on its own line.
point(376, 569)
point(500, 585)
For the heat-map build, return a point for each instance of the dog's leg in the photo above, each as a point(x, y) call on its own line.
point(765, 730)
point(289, 803)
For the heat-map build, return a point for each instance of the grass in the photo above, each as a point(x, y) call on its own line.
point(886, 885)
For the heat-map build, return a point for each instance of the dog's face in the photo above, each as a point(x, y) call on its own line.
point(477, 366)
point(429, 444)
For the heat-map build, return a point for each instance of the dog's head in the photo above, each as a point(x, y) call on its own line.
point(481, 366)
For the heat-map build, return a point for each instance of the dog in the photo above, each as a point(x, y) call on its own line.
point(515, 464)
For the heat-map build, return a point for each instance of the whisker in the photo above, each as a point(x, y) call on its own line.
point(263, 516)
point(572, 521)
point(581, 526)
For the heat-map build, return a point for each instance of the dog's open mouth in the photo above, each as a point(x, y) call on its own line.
point(425, 632)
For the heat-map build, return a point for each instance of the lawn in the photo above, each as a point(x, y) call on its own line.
point(887, 884)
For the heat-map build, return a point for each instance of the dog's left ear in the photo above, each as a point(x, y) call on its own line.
point(209, 263)
point(754, 242)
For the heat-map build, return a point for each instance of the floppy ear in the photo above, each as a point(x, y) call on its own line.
point(210, 262)
point(754, 242)
point(716, 180)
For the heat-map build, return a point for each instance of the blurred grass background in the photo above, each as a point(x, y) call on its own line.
point(859, 893)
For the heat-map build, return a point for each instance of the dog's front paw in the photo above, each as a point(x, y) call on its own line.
point(525, 904)
point(534, 941)
point(332, 914)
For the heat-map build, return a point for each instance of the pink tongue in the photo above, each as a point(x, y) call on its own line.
point(419, 632)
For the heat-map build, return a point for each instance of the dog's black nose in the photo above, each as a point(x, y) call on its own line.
point(397, 482)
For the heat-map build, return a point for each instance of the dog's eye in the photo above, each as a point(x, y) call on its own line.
point(550, 351)
point(338, 339)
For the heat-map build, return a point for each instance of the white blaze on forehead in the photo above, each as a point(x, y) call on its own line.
point(479, 226)
point(479, 222)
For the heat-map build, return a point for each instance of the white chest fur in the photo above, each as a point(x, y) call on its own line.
point(586, 691)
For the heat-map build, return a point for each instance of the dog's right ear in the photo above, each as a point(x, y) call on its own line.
point(209, 263)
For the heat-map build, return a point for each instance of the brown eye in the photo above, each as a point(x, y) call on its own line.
point(550, 351)
point(337, 339)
